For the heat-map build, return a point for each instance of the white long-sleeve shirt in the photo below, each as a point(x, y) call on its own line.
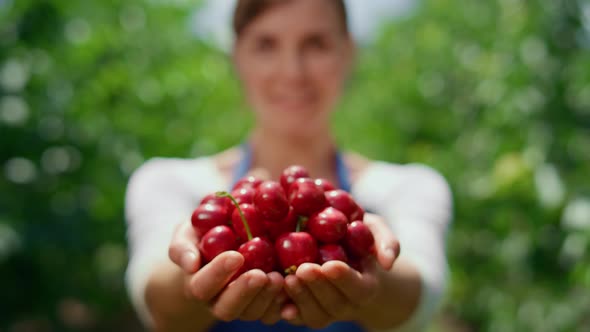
point(415, 201)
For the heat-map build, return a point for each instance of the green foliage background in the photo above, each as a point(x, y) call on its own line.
point(494, 94)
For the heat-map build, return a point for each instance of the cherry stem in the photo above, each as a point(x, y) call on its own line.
point(228, 195)
point(300, 221)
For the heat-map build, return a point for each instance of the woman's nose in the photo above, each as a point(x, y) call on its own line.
point(292, 66)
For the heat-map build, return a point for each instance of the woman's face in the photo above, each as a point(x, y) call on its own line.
point(293, 60)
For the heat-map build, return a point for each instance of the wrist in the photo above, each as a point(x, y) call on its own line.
point(170, 305)
point(398, 296)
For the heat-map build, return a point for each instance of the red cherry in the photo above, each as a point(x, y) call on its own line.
point(258, 254)
point(248, 181)
point(276, 229)
point(306, 197)
point(324, 184)
point(359, 240)
point(207, 216)
point(343, 201)
point(242, 195)
point(290, 174)
point(217, 240)
point(214, 199)
point(328, 225)
point(256, 225)
point(270, 201)
point(294, 249)
point(332, 252)
point(355, 263)
point(358, 215)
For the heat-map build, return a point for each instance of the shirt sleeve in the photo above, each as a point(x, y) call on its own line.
point(416, 201)
point(156, 201)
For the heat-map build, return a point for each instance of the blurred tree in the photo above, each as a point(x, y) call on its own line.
point(495, 94)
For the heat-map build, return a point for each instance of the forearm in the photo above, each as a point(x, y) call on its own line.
point(396, 301)
point(170, 308)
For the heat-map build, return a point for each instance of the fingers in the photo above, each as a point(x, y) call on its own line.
point(273, 312)
point(309, 309)
point(328, 296)
point(212, 278)
point(183, 248)
point(358, 288)
point(240, 295)
point(327, 293)
point(265, 298)
point(386, 244)
point(290, 313)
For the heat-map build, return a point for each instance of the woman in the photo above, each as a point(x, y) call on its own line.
point(292, 58)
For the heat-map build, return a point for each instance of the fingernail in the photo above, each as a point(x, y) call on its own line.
point(287, 315)
point(296, 287)
point(255, 282)
point(188, 261)
point(311, 277)
point(232, 263)
point(388, 252)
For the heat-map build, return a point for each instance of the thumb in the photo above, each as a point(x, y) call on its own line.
point(387, 246)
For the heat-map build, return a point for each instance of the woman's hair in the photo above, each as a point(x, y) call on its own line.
point(248, 10)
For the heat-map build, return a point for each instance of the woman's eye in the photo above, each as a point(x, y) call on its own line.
point(317, 43)
point(265, 45)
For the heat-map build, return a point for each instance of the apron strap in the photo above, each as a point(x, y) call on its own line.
point(242, 168)
point(342, 173)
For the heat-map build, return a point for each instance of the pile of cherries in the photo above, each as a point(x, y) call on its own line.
point(279, 226)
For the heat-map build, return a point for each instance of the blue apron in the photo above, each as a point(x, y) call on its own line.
point(241, 326)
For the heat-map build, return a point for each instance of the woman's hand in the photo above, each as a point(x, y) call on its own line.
point(334, 291)
point(252, 296)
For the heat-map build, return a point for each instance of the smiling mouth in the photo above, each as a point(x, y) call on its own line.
point(293, 102)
